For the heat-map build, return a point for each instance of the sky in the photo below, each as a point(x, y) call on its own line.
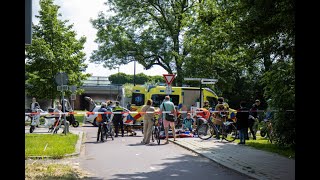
point(79, 12)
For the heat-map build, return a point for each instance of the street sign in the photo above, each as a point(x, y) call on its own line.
point(73, 97)
point(62, 88)
point(169, 78)
point(208, 82)
point(73, 88)
point(168, 89)
point(61, 79)
point(192, 79)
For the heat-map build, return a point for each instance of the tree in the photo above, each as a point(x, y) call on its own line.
point(249, 45)
point(54, 49)
point(279, 85)
point(148, 32)
point(122, 78)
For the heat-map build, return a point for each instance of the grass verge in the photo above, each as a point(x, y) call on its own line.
point(43, 171)
point(262, 143)
point(53, 145)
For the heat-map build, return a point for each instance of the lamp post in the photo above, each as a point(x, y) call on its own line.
point(134, 73)
point(131, 53)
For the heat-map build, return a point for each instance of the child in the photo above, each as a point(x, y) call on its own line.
point(187, 122)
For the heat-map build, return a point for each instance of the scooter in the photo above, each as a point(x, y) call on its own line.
point(72, 120)
point(35, 120)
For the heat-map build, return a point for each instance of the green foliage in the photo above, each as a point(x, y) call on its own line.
point(280, 88)
point(122, 78)
point(147, 32)
point(128, 90)
point(249, 47)
point(54, 49)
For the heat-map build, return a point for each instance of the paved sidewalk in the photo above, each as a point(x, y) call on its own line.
point(244, 159)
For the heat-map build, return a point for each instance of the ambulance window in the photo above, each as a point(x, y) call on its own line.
point(137, 99)
point(158, 99)
point(212, 101)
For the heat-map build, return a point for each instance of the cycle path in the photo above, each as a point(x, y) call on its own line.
point(242, 158)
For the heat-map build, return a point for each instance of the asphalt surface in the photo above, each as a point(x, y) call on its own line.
point(126, 158)
point(186, 158)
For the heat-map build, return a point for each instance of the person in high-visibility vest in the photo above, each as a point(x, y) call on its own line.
point(118, 119)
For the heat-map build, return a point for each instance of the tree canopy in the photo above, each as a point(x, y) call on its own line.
point(148, 32)
point(54, 49)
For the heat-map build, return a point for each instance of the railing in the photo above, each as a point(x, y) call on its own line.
point(97, 81)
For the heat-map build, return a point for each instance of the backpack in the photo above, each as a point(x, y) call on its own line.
point(99, 118)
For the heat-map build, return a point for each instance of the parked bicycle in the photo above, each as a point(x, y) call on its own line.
point(266, 129)
point(109, 131)
point(227, 130)
point(156, 131)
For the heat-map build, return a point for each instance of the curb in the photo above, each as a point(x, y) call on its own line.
point(249, 175)
point(78, 149)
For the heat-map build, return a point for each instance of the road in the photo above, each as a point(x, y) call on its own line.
point(126, 158)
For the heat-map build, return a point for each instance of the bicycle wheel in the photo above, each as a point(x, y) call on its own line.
point(31, 129)
point(98, 133)
point(110, 131)
point(153, 134)
point(229, 132)
point(157, 135)
point(75, 123)
point(205, 131)
point(263, 132)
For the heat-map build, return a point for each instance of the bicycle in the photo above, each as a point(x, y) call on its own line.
point(266, 129)
point(155, 134)
point(227, 129)
point(109, 130)
point(101, 131)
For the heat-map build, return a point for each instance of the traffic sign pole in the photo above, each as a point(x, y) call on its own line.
point(202, 81)
point(169, 79)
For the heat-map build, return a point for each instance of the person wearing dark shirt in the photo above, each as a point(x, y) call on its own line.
point(254, 118)
point(103, 109)
point(118, 119)
point(242, 122)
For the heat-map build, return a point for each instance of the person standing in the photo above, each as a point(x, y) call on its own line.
point(221, 114)
point(167, 105)
point(252, 121)
point(35, 106)
point(242, 122)
point(148, 116)
point(118, 119)
point(102, 109)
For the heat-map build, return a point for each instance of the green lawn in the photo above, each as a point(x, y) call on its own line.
point(262, 143)
point(79, 117)
point(54, 145)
